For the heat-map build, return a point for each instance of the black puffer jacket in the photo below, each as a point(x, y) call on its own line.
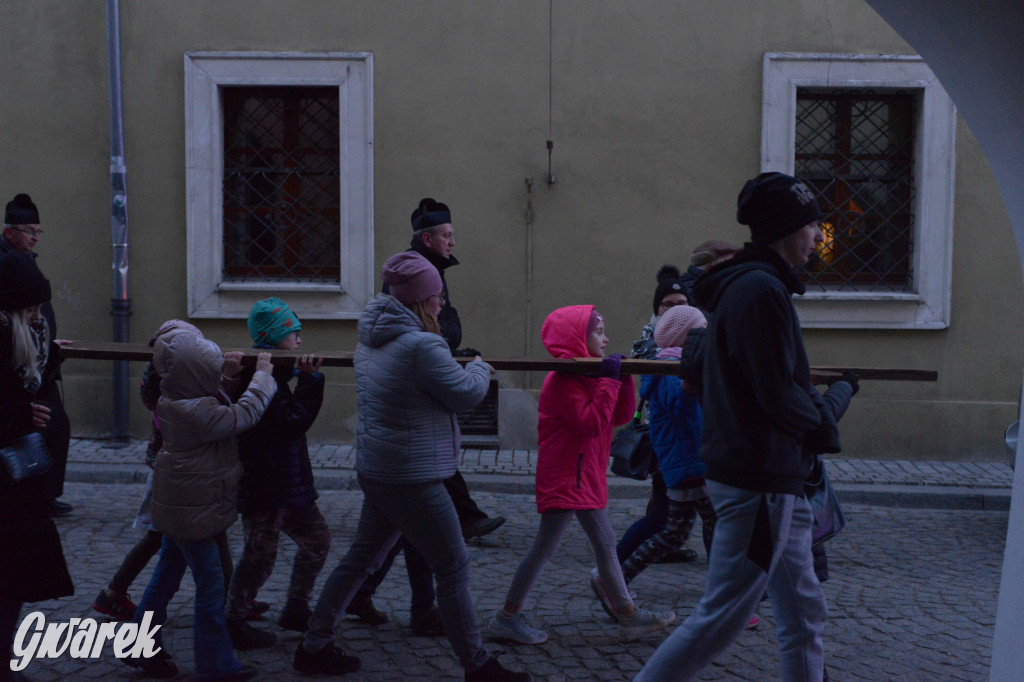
point(758, 406)
point(275, 457)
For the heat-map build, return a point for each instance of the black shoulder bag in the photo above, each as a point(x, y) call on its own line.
point(25, 457)
point(632, 454)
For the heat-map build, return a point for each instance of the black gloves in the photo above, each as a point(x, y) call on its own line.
point(851, 378)
point(466, 353)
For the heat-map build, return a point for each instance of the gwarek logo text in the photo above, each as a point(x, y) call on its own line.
point(81, 638)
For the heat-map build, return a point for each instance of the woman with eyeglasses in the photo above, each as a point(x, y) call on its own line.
point(21, 233)
point(408, 390)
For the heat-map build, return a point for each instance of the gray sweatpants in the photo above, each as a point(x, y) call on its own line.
point(762, 540)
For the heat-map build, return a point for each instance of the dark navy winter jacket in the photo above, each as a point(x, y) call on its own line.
point(275, 458)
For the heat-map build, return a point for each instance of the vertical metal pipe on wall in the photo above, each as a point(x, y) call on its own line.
point(120, 303)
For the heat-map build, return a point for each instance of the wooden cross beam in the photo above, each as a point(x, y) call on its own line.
point(108, 350)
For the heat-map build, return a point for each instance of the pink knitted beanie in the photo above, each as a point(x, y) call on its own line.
point(675, 324)
point(410, 277)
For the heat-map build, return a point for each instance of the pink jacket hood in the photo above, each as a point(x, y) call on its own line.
point(564, 332)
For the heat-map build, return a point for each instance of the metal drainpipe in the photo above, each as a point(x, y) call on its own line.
point(120, 303)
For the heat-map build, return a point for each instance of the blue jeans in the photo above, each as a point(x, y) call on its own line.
point(213, 653)
point(762, 540)
point(646, 527)
point(425, 515)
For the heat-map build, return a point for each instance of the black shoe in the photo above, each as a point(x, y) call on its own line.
point(246, 672)
point(160, 666)
point(245, 637)
point(366, 612)
point(492, 671)
point(427, 625)
point(327, 661)
point(256, 610)
point(58, 508)
point(482, 527)
point(295, 616)
point(683, 555)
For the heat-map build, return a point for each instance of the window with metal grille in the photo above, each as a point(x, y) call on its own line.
point(282, 192)
point(855, 147)
point(875, 135)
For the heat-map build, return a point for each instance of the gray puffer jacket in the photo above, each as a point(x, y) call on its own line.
point(408, 389)
point(196, 472)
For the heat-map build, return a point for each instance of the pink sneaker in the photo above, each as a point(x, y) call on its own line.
point(752, 623)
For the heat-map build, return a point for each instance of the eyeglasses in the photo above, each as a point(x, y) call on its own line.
point(671, 304)
point(439, 297)
point(25, 230)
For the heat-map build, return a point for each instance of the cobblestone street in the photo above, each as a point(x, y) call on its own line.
point(912, 597)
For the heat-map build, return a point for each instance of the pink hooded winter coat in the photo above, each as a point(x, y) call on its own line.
point(576, 419)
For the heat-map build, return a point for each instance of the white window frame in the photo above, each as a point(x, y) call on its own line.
point(927, 306)
point(209, 295)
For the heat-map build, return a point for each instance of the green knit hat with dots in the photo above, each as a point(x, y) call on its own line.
point(271, 321)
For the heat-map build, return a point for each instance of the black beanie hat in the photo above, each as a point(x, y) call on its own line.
point(669, 282)
point(22, 285)
point(775, 205)
point(21, 211)
point(430, 213)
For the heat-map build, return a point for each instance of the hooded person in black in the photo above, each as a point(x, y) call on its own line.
point(763, 424)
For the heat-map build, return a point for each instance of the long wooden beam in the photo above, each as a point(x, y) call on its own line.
point(108, 350)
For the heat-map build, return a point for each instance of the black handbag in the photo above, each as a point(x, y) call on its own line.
point(26, 457)
point(829, 518)
point(632, 454)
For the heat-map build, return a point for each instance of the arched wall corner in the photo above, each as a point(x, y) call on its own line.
point(975, 50)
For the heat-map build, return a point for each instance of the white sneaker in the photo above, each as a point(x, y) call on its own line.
point(642, 622)
point(516, 628)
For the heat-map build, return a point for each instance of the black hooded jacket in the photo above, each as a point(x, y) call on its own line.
point(762, 423)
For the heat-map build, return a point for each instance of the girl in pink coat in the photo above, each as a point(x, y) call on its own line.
point(577, 416)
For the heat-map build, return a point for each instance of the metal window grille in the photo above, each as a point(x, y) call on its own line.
point(482, 420)
point(855, 147)
point(281, 184)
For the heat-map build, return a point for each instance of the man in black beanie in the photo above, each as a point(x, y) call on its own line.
point(763, 426)
point(21, 233)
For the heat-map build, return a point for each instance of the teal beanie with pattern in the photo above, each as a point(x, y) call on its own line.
point(271, 321)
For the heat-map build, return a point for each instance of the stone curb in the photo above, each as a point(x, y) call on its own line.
point(882, 495)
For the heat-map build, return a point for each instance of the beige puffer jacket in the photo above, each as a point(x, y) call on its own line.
point(196, 473)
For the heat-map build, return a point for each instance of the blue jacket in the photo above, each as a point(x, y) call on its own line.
point(675, 423)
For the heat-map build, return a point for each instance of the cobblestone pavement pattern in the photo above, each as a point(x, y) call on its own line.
point(912, 597)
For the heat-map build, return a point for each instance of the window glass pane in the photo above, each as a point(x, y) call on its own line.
point(281, 184)
point(855, 147)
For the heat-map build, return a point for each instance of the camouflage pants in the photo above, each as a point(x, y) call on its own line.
point(677, 529)
point(263, 529)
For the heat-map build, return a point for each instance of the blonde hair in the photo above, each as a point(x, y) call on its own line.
point(430, 323)
point(27, 360)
